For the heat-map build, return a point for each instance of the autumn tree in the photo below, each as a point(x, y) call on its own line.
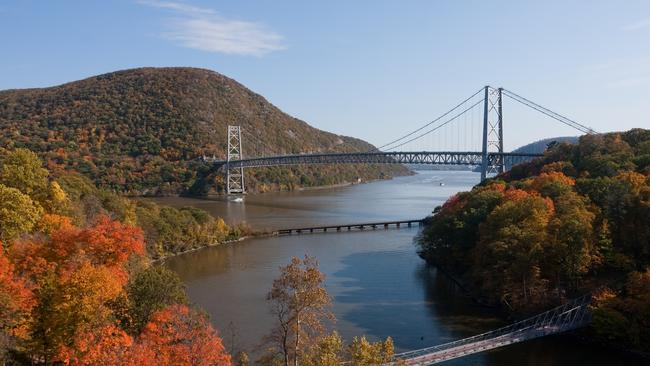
point(78, 274)
point(16, 302)
point(511, 247)
point(178, 335)
point(73, 302)
point(300, 304)
point(152, 290)
point(106, 345)
point(23, 170)
point(571, 250)
point(624, 318)
point(327, 351)
point(18, 213)
point(365, 353)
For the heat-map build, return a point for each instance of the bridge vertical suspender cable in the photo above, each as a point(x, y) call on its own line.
point(427, 124)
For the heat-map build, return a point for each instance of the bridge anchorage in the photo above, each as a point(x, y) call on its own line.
point(459, 142)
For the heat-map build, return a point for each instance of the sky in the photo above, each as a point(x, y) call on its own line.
point(369, 69)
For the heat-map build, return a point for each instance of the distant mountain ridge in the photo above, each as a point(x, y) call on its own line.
point(538, 147)
point(141, 131)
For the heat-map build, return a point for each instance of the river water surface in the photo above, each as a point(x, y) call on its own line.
point(380, 286)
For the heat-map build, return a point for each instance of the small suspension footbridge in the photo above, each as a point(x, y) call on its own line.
point(470, 133)
point(572, 315)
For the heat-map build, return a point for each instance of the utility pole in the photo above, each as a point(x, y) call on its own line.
point(234, 176)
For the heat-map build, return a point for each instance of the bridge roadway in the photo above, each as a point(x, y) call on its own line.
point(380, 157)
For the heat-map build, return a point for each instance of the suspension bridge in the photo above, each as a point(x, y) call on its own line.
point(414, 148)
point(476, 121)
point(572, 315)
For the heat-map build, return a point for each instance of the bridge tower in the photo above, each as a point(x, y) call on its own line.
point(492, 132)
point(234, 176)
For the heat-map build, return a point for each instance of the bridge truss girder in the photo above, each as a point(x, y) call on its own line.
point(472, 158)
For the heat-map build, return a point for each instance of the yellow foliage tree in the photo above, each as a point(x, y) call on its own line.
point(366, 353)
point(18, 213)
point(23, 170)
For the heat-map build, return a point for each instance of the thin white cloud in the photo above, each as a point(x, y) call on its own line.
point(645, 23)
point(204, 29)
point(180, 7)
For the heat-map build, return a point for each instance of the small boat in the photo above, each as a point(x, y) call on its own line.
point(238, 199)
point(442, 184)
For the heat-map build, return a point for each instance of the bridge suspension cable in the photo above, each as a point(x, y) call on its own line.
point(567, 121)
point(437, 127)
point(259, 141)
point(426, 125)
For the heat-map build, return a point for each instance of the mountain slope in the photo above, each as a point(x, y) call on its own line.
point(538, 147)
point(141, 130)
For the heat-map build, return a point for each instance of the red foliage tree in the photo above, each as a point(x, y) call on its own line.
point(178, 335)
point(16, 301)
point(108, 346)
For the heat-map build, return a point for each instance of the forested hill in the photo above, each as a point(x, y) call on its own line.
point(540, 146)
point(141, 130)
point(572, 222)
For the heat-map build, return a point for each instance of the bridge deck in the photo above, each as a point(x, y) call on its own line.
point(350, 227)
point(379, 157)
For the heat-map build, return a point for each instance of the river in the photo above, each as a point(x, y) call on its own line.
point(380, 286)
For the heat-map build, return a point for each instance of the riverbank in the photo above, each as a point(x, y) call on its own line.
point(253, 235)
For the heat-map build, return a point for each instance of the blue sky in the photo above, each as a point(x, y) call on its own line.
point(369, 69)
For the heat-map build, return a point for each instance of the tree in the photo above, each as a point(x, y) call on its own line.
point(552, 184)
point(507, 258)
point(18, 213)
point(78, 274)
point(178, 335)
point(328, 351)
point(107, 346)
point(300, 303)
point(571, 247)
point(16, 302)
point(110, 242)
point(365, 353)
point(151, 290)
point(242, 359)
point(23, 170)
point(69, 303)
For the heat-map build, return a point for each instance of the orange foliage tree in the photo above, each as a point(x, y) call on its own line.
point(16, 302)
point(77, 274)
point(108, 346)
point(178, 335)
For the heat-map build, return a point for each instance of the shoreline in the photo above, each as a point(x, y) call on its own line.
point(253, 235)
point(299, 189)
